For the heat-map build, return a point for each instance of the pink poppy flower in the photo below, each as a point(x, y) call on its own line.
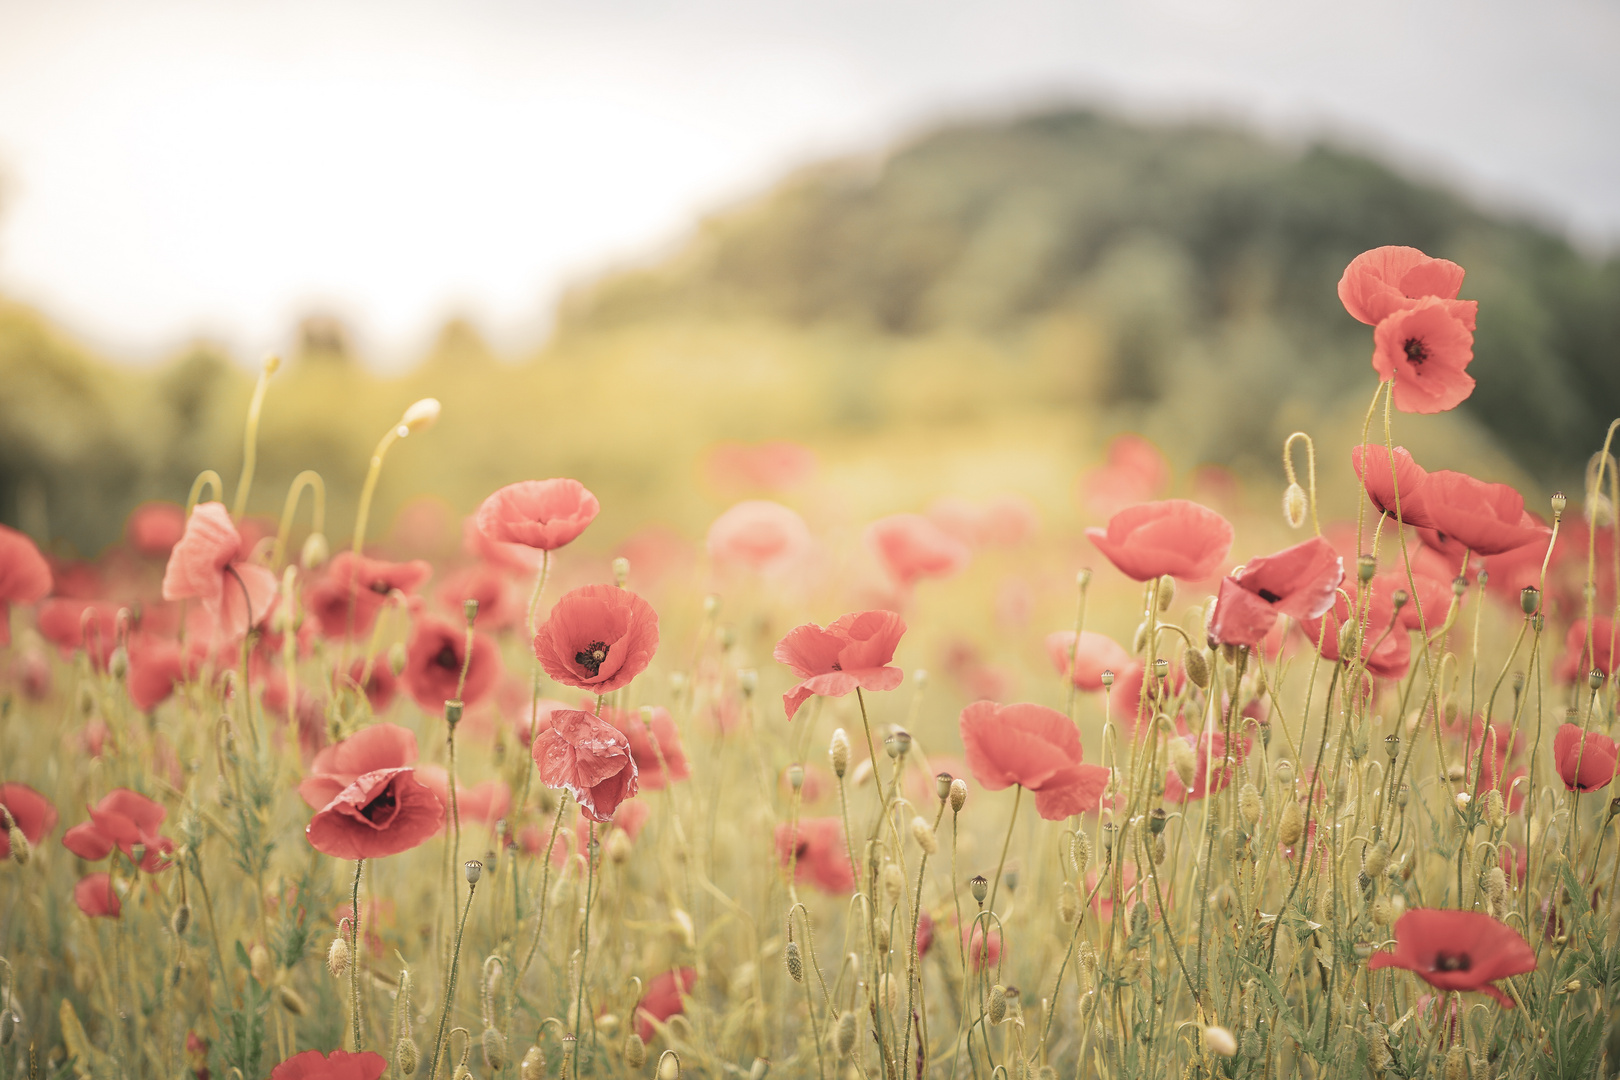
point(544, 514)
point(1425, 348)
point(485, 802)
point(1036, 748)
point(979, 953)
point(1301, 582)
point(155, 668)
point(1372, 465)
point(1385, 645)
point(656, 749)
point(597, 638)
point(354, 589)
point(206, 565)
point(123, 819)
point(434, 657)
point(590, 758)
point(815, 847)
point(381, 813)
point(379, 746)
point(154, 528)
point(513, 558)
point(1583, 764)
point(759, 536)
point(663, 999)
point(911, 547)
point(339, 1065)
point(1004, 521)
point(1135, 473)
point(501, 604)
point(1171, 536)
point(29, 811)
point(73, 624)
point(1486, 519)
point(1385, 280)
point(95, 896)
point(1578, 660)
point(1457, 950)
point(381, 685)
point(768, 466)
point(25, 576)
point(854, 650)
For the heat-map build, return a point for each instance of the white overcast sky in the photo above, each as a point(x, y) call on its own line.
point(172, 170)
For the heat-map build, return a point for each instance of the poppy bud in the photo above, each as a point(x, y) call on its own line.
point(795, 777)
point(995, 1009)
point(1080, 850)
point(979, 886)
point(619, 847)
point(1347, 641)
point(20, 851)
point(1375, 859)
point(1139, 638)
point(1294, 505)
point(838, 752)
point(494, 1049)
point(1107, 679)
point(474, 870)
point(397, 658)
point(420, 416)
point(1197, 668)
point(1167, 592)
point(118, 663)
point(1383, 913)
point(259, 965)
point(893, 883)
point(621, 571)
point(405, 1055)
point(1456, 1062)
point(795, 962)
point(180, 920)
point(844, 1038)
point(1495, 811)
point(1220, 1041)
point(337, 957)
point(1366, 567)
point(1292, 824)
point(8, 1027)
point(1068, 903)
point(958, 795)
point(533, 1065)
point(942, 785)
point(1529, 599)
point(923, 833)
point(1249, 804)
point(315, 552)
point(635, 1051)
point(669, 1066)
point(919, 678)
point(1182, 760)
point(291, 1001)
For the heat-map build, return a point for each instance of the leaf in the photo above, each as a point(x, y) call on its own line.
point(1285, 1011)
point(76, 1041)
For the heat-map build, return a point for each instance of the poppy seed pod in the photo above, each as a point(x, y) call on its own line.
point(979, 886)
point(795, 961)
point(1294, 505)
point(923, 833)
point(995, 1009)
point(1529, 599)
point(747, 681)
point(621, 571)
point(474, 870)
point(1366, 567)
point(958, 795)
point(795, 777)
point(898, 743)
point(838, 752)
point(1594, 679)
point(942, 785)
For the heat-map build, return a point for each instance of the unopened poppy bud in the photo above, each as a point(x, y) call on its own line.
point(1383, 912)
point(795, 962)
point(1594, 679)
point(1375, 859)
point(1457, 1062)
point(942, 785)
point(893, 883)
point(315, 552)
point(897, 743)
point(958, 795)
point(1080, 851)
point(1495, 810)
point(1197, 668)
point(1068, 903)
point(420, 416)
point(474, 869)
point(1294, 505)
point(1347, 640)
point(1167, 592)
point(635, 1051)
point(180, 920)
point(669, 1066)
point(795, 777)
point(995, 1009)
point(1139, 638)
point(1158, 850)
point(494, 1049)
point(20, 851)
point(406, 1056)
point(1291, 826)
point(1220, 1041)
point(452, 712)
point(533, 1065)
point(291, 1000)
point(1182, 760)
point(1249, 804)
point(621, 571)
point(8, 1027)
point(259, 965)
point(838, 752)
point(979, 886)
point(118, 663)
point(397, 658)
point(844, 1037)
point(1139, 919)
point(619, 848)
point(337, 956)
point(923, 833)
point(747, 681)
point(1529, 599)
point(462, 1073)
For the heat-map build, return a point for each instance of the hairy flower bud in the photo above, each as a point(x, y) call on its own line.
point(1167, 592)
point(337, 956)
point(1382, 911)
point(1294, 505)
point(1291, 826)
point(923, 833)
point(420, 416)
point(635, 1051)
point(259, 965)
point(1375, 859)
point(1249, 804)
point(1183, 760)
point(1197, 666)
point(1220, 1041)
point(795, 962)
point(180, 920)
point(406, 1056)
point(20, 850)
point(1080, 851)
point(533, 1065)
point(494, 1049)
point(1068, 903)
point(838, 752)
point(291, 1000)
point(995, 1009)
point(315, 552)
point(844, 1037)
point(958, 795)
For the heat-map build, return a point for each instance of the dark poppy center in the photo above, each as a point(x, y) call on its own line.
point(381, 810)
point(1268, 596)
point(380, 587)
point(447, 659)
point(591, 656)
point(801, 849)
point(1448, 961)
point(1416, 351)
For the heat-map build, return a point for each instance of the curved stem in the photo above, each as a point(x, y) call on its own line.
point(310, 479)
point(208, 478)
point(250, 437)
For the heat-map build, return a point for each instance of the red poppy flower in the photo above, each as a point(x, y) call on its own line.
point(815, 847)
point(544, 514)
point(767, 466)
point(1385, 280)
point(1425, 608)
point(1425, 348)
point(597, 638)
point(363, 584)
point(1578, 660)
point(663, 999)
point(434, 655)
point(25, 576)
point(29, 811)
point(911, 547)
point(486, 802)
point(1004, 521)
point(1207, 746)
point(979, 954)
point(1385, 645)
point(380, 746)
point(500, 603)
point(73, 624)
point(1135, 473)
point(516, 558)
point(590, 758)
point(206, 565)
point(854, 650)
point(1457, 950)
point(1518, 568)
point(1301, 582)
point(155, 667)
point(1486, 519)
point(95, 896)
point(380, 687)
point(383, 812)
point(154, 528)
point(1171, 536)
point(1583, 765)
point(764, 537)
point(1034, 747)
point(1097, 653)
point(122, 819)
point(656, 749)
point(1407, 478)
point(339, 1065)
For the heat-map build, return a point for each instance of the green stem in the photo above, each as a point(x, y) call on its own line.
point(450, 989)
point(354, 955)
point(995, 882)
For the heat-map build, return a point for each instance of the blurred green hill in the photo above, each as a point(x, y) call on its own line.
point(982, 306)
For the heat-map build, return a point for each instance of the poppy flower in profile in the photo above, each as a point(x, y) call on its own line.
point(155, 668)
point(815, 847)
point(853, 651)
point(354, 589)
point(1301, 582)
point(28, 810)
point(339, 1065)
point(25, 576)
point(655, 745)
point(206, 565)
point(1384, 482)
point(1583, 764)
point(1425, 348)
point(597, 638)
point(590, 758)
point(1457, 950)
point(123, 819)
point(501, 603)
point(662, 999)
point(1004, 521)
point(379, 746)
point(759, 536)
point(1036, 748)
point(1385, 280)
point(543, 514)
point(154, 528)
point(433, 659)
point(1578, 659)
point(382, 812)
point(380, 684)
point(1486, 519)
point(979, 953)
point(1171, 536)
point(95, 896)
point(1097, 653)
point(911, 548)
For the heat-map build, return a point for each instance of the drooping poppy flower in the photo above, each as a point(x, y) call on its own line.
point(1211, 744)
point(382, 812)
point(1035, 747)
point(433, 659)
point(655, 745)
point(759, 536)
point(380, 684)
point(768, 466)
point(1583, 764)
point(1385, 280)
point(1171, 536)
point(379, 746)
point(911, 548)
point(663, 999)
point(1485, 518)
point(349, 596)
point(1300, 581)
point(1386, 486)
point(73, 624)
point(1457, 950)
point(1425, 349)
point(1136, 472)
point(95, 896)
point(597, 638)
point(207, 565)
point(590, 758)
point(123, 819)
point(854, 650)
point(25, 576)
point(543, 514)
point(501, 603)
point(154, 528)
point(485, 802)
point(31, 812)
point(815, 847)
point(339, 1065)
point(1097, 653)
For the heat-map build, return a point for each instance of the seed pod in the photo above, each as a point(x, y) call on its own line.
point(1197, 668)
point(1292, 824)
point(1375, 859)
point(1220, 1041)
point(259, 965)
point(844, 1037)
point(942, 785)
point(1157, 850)
point(406, 1056)
point(1183, 760)
point(337, 957)
point(958, 795)
point(1068, 903)
point(795, 962)
point(635, 1051)
point(979, 886)
point(291, 1001)
point(838, 752)
point(533, 1065)
point(893, 883)
point(1249, 804)
point(995, 1009)
point(1294, 506)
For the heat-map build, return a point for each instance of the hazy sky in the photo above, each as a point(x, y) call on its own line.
point(175, 169)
